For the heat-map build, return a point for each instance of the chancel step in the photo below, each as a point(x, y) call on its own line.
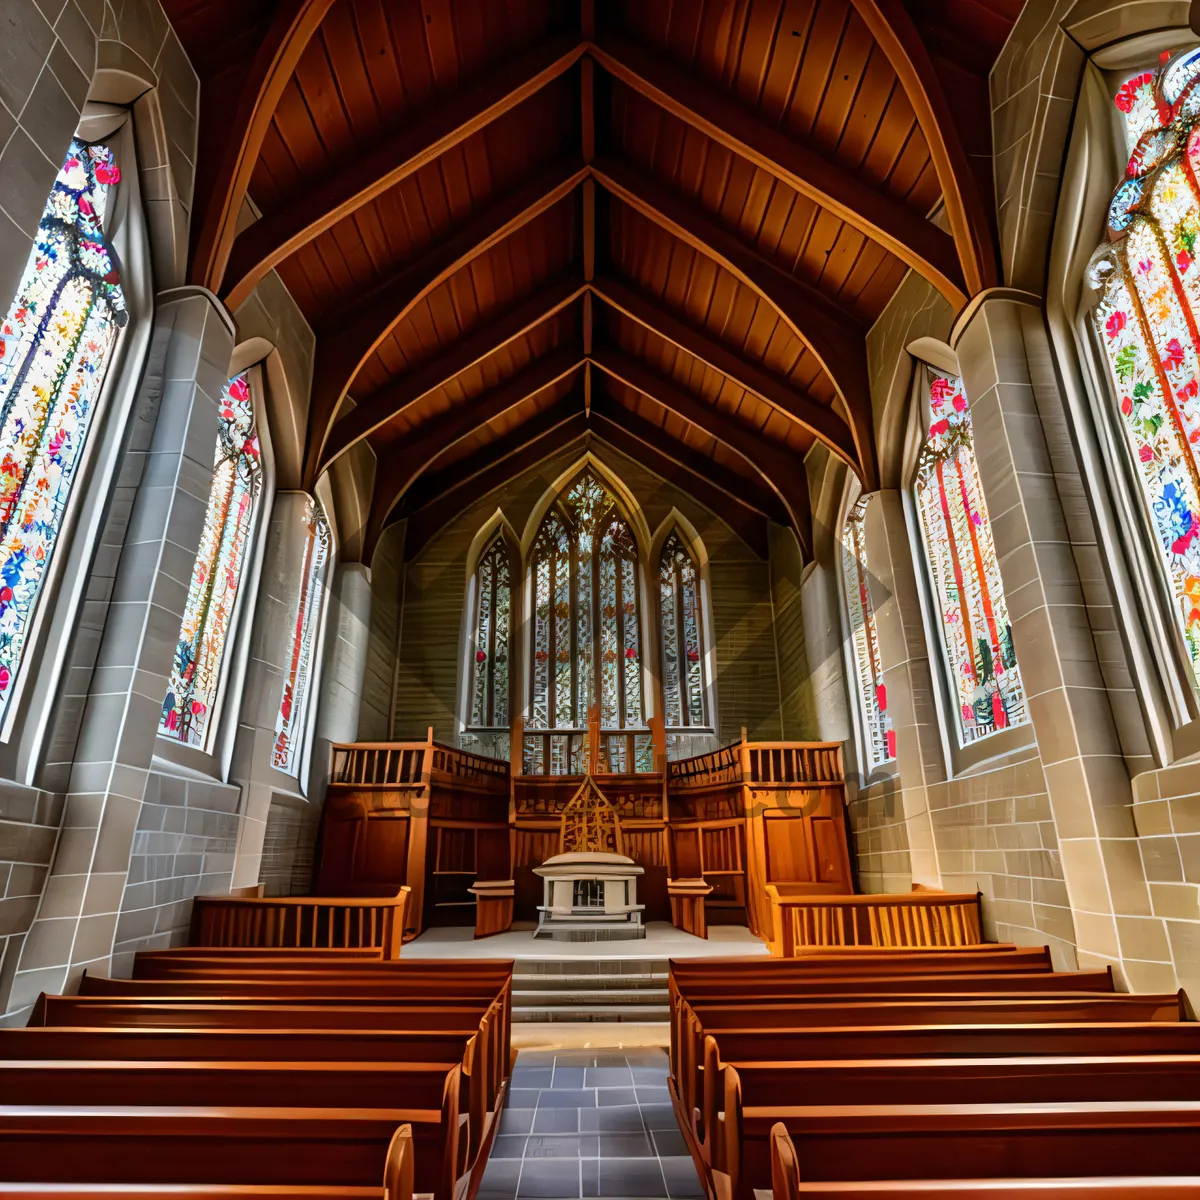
point(590, 990)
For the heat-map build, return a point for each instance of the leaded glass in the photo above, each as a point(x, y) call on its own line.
point(1145, 320)
point(683, 652)
point(56, 344)
point(872, 694)
point(964, 572)
point(292, 718)
point(217, 576)
point(585, 620)
point(489, 644)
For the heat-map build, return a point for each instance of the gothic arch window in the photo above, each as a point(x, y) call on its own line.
point(684, 691)
point(187, 713)
point(878, 734)
point(56, 344)
point(292, 719)
point(488, 715)
point(963, 571)
point(1146, 323)
point(586, 636)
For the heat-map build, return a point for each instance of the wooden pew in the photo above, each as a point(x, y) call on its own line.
point(729, 990)
point(870, 959)
point(956, 1141)
point(196, 1144)
point(786, 1185)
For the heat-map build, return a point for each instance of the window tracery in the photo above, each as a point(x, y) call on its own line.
point(292, 717)
point(864, 641)
point(682, 636)
point(964, 572)
point(1146, 321)
point(490, 643)
point(218, 573)
point(56, 345)
point(586, 636)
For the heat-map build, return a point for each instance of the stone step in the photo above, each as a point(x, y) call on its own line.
point(571, 983)
point(658, 996)
point(590, 966)
point(650, 1013)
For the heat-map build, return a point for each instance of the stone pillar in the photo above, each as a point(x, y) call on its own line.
point(819, 605)
point(269, 659)
point(908, 678)
point(1020, 433)
point(184, 377)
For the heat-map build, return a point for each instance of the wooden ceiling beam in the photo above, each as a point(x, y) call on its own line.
point(838, 344)
point(264, 245)
point(378, 409)
point(451, 491)
point(342, 353)
point(223, 184)
point(915, 241)
point(974, 238)
point(661, 457)
point(418, 449)
point(816, 417)
point(783, 472)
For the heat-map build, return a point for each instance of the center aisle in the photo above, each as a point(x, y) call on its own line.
point(592, 1122)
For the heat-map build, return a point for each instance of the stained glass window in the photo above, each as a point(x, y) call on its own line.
point(489, 646)
point(292, 718)
point(872, 693)
point(586, 634)
point(682, 635)
point(964, 572)
point(1146, 320)
point(217, 576)
point(56, 344)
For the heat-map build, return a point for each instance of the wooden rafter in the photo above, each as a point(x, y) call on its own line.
point(224, 183)
point(891, 26)
point(814, 416)
point(265, 244)
point(456, 488)
point(340, 356)
point(393, 399)
point(416, 451)
point(782, 472)
point(915, 241)
point(838, 344)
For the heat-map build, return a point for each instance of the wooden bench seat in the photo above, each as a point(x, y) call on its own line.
point(325, 954)
point(197, 1144)
point(876, 960)
point(269, 984)
point(954, 1141)
point(1066, 981)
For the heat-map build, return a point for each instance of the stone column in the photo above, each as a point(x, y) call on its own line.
point(908, 679)
point(268, 662)
point(184, 377)
point(1025, 461)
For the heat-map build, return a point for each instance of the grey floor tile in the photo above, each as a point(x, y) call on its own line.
point(553, 1145)
point(547, 1178)
point(669, 1143)
point(613, 1059)
point(682, 1181)
point(607, 1097)
point(523, 1098)
point(509, 1146)
point(575, 1058)
point(536, 1058)
point(631, 1177)
point(531, 1077)
point(568, 1077)
point(516, 1120)
point(659, 1116)
point(610, 1077)
point(589, 1176)
point(650, 1076)
point(653, 1095)
point(555, 1120)
point(647, 1056)
point(500, 1179)
point(627, 1119)
point(626, 1145)
point(568, 1098)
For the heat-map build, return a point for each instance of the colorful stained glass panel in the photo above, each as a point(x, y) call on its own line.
point(683, 652)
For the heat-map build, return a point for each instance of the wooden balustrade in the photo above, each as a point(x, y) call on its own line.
point(902, 920)
point(400, 764)
point(706, 770)
point(372, 922)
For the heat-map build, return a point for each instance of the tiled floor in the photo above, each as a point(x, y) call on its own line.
point(583, 1123)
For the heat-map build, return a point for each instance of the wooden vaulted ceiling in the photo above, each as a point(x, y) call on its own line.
point(665, 224)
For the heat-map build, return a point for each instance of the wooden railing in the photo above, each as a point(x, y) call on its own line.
point(907, 919)
point(369, 922)
point(565, 752)
point(705, 770)
point(794, 762)
point(401, 764)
